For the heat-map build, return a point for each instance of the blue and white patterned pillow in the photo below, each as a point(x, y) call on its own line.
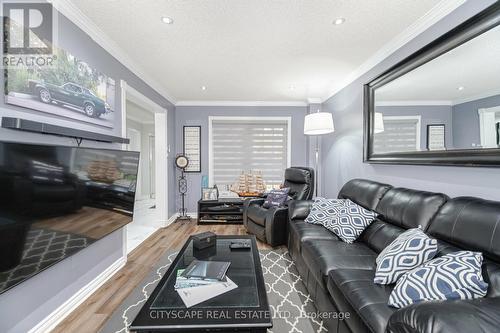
point(411, 249)
point(455, 276)
point(351, 221)
point(323, 210)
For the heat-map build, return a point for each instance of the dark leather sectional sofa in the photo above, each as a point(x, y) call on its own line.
point(339, 276)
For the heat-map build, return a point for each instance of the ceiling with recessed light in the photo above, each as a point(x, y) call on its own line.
point(259, 50)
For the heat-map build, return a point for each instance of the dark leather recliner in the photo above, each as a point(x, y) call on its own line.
point(270, 224)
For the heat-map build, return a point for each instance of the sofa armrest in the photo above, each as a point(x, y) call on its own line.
point(299, 209)
point(247, 203)
point(481, 315)
point(276, 226)
point(253, 201)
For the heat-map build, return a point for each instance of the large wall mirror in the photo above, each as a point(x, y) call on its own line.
point(442, 104)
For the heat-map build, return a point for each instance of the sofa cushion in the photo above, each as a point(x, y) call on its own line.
point(257, 214)
point(380, 234)
point(410, 208)
point(323, 255)
point(364, 192)
point(350, 221)
point(411, 249)
point(324, 210)
point(366, 298)
point(454, 276)
point(299, 231)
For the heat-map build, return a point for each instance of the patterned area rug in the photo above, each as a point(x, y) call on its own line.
point(291, 306)
point(42, 249)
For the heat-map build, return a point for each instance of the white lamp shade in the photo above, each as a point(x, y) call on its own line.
point(379, 122)
point(318, 123)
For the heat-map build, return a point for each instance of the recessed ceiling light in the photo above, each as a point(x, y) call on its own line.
point(167, 20)
point(339, 21)
point(460, 88)
point(203, 88)
point(292, 87)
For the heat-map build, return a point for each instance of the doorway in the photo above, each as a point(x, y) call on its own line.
point(144, 123)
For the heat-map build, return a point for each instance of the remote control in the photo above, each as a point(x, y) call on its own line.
point(240, 246)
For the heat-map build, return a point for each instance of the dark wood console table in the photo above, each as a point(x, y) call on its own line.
point(222, 211)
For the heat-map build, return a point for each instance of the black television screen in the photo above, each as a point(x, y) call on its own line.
point(56, 201)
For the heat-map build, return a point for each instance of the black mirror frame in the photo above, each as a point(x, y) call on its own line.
point(489, 157)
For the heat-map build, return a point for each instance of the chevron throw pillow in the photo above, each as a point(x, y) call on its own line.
point(455, 276)
point(323, 210)
point(351, 221)
point(411, 249)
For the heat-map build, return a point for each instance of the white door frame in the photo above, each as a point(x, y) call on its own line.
point(488, 117)
point(161, 145)
point(138, 187)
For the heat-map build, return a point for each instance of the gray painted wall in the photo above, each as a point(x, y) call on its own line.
point(196, 115)
point(466, 121)
point(343, 150)
point(27, 304)
point(431, 114)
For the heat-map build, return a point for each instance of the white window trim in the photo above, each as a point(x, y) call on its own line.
point(419, 126)
point(211, 119)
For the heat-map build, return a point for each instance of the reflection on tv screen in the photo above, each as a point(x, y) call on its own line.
point(56, 201)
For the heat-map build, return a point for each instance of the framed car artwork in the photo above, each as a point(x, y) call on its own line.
point(70, 88)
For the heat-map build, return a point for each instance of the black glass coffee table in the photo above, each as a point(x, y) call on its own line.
point(244, 309)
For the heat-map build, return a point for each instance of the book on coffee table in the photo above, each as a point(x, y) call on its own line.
point(196, 295)
point(183, 282)
point(206, 270)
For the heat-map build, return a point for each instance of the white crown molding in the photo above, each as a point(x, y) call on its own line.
point(314, 100)
point(241, 103)
point(413, 103)
point(58, 315)
point(75, 15)
point(433, 16)
point(485, 94)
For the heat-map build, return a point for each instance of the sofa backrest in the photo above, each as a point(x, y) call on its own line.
point(401, 209)
point(300, 181)
point(364, 192)
point(469, 223)
point(408, 208)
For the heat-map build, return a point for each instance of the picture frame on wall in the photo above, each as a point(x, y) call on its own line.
point(71, 89)
point(436, 137)
point(192, 147)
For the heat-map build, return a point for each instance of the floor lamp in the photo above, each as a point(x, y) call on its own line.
point(316, 124)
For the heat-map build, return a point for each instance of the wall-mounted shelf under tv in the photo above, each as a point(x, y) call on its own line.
point(43, 128)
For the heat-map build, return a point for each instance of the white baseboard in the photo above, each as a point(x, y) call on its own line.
point(58, 315)
point(176, 215)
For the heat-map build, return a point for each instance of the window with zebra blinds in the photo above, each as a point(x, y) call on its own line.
point(243, 144)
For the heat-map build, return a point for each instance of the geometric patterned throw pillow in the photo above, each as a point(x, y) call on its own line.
point(411, 249)
point(323, 210)
point(351, 221)
point(455, 276)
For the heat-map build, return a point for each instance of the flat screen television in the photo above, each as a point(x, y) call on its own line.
point(58, 200)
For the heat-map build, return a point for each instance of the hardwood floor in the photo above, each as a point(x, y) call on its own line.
point(91, 315)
